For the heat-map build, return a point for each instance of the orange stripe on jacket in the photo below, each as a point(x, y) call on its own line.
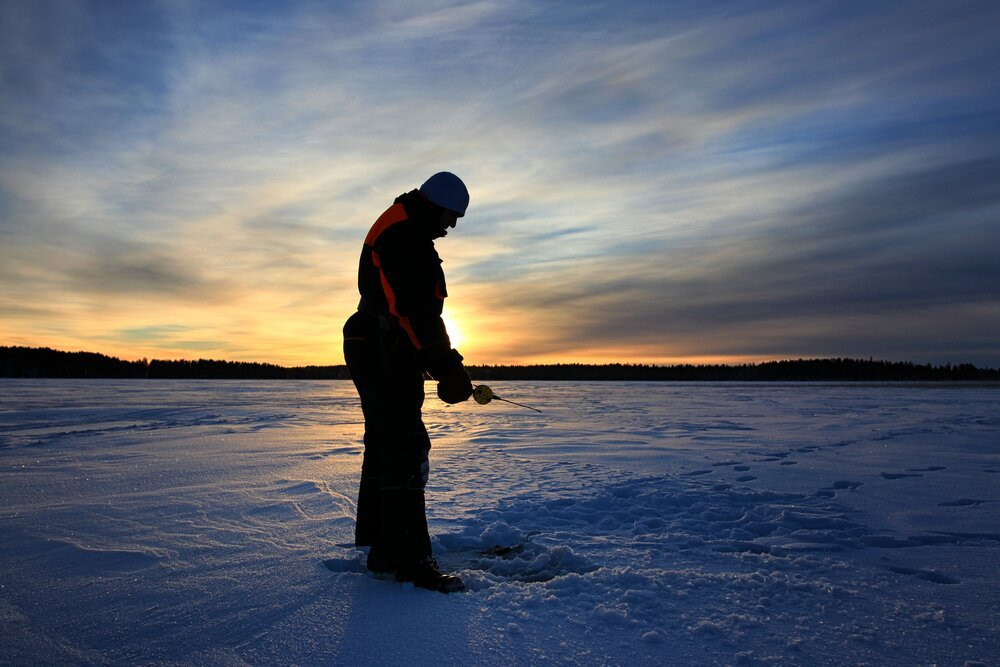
point(390, 296)
point(394, 214)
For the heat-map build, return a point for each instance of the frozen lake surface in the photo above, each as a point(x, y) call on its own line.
point(210, 522)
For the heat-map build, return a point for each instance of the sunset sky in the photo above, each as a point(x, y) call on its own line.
point(651, 181)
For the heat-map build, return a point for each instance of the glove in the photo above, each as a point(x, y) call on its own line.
point(438, 359)
point(454, 385)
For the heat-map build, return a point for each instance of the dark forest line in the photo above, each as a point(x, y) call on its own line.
point(25, 362)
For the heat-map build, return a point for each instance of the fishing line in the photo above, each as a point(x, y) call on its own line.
point(484, 395)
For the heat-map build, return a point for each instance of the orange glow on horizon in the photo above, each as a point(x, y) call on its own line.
point(263, 327)
point(327, 352)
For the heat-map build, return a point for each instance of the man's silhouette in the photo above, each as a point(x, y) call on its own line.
point(396, 335)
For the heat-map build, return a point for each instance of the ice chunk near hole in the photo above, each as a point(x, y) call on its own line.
point(501, 534)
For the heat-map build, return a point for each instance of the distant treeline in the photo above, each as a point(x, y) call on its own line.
point(797, 370)
point(30, 362)
point(26, 362)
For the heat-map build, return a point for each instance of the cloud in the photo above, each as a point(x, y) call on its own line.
point(723, 179)
point(901, 249)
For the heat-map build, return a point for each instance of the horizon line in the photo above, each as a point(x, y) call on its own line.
point(870, 359)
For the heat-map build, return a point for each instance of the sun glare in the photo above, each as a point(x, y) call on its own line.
point(454, 331)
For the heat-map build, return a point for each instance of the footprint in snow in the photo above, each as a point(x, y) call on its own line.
point(839, 485)
point(899, 475)
point(962, 502)
point(741, 468)
point(695, 473)
point(926, 575)
point(745, 478)
point(930, 469)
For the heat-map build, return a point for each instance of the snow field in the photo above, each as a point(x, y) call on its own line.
point(630, 523)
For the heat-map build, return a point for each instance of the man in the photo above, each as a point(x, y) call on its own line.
point(396, 335)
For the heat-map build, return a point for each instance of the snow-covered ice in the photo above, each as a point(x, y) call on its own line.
point(210, 522)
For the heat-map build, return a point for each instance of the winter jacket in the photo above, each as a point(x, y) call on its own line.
point(400, 276)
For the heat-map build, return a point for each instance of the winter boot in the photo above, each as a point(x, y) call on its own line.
point(425, 574)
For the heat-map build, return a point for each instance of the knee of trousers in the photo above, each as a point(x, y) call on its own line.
point(407, 471)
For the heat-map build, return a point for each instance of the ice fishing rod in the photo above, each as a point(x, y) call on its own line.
point(484, 395)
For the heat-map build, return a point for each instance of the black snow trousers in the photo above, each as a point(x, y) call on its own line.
point(391, 514)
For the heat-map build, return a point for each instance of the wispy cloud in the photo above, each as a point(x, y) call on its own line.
point(649, 182)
